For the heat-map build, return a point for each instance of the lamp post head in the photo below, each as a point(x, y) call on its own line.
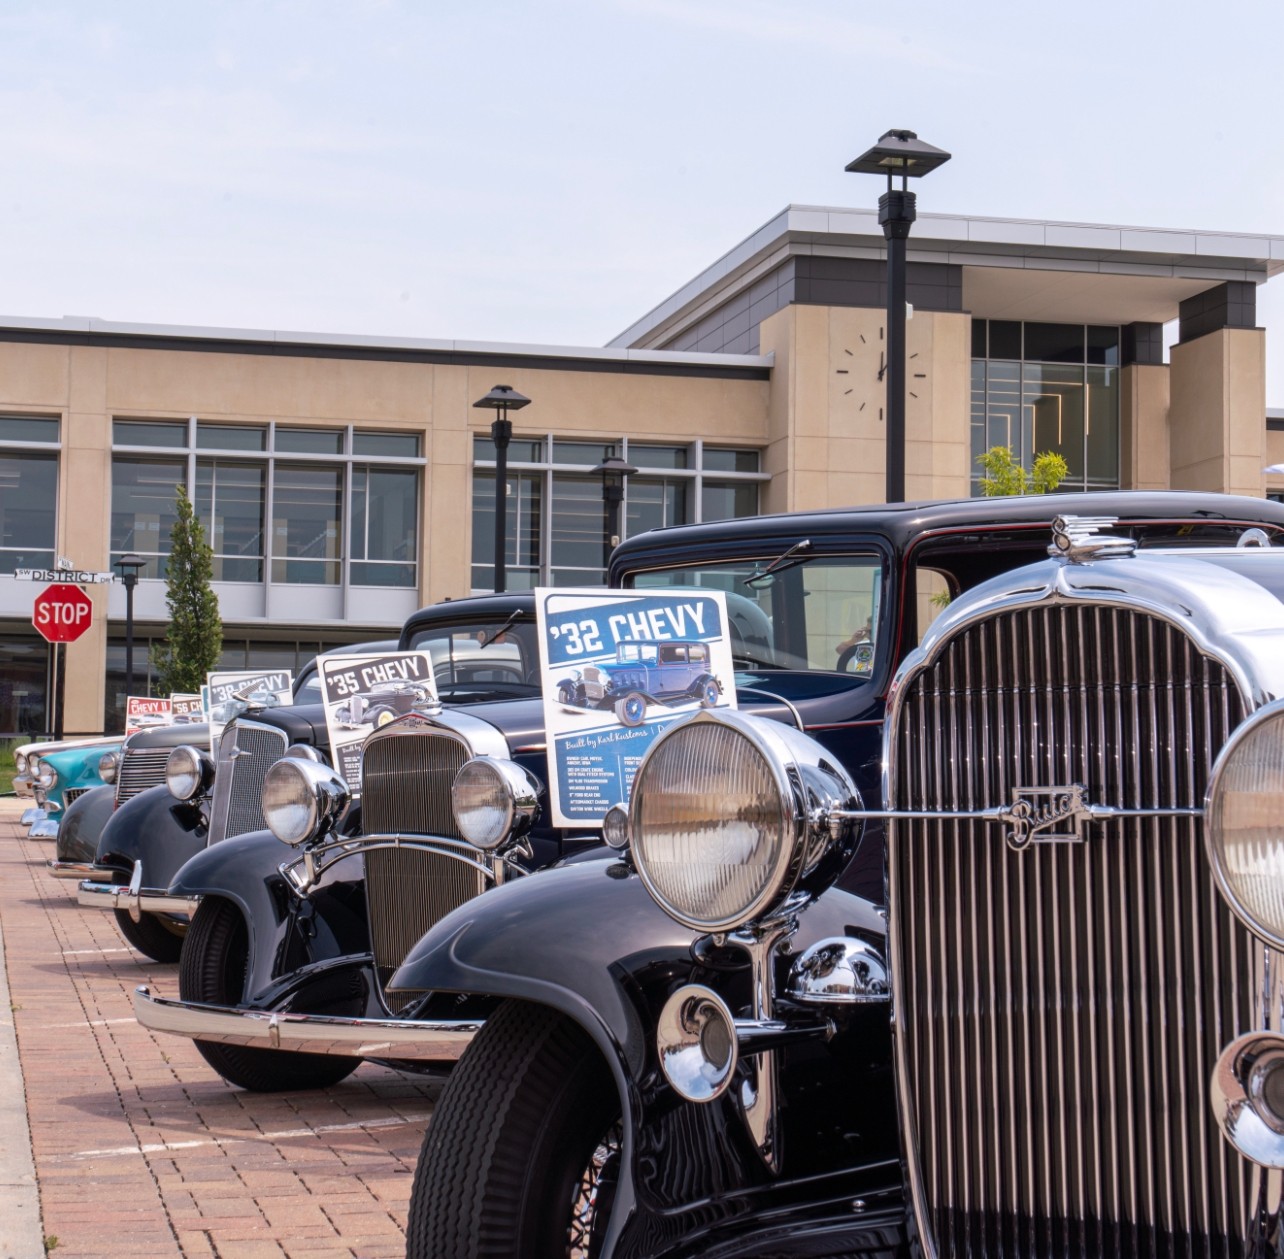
point(613, 470)
point(899, 152)
point(129, 566)
point(503, 398)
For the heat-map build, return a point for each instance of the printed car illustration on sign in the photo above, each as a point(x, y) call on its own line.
point(643, 673)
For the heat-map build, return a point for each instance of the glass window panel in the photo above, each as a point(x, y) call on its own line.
point(148, 433)
point(230, 501)
point(261, 655)
point(28, 428)
point(28, 510)
point(1003, 407)
point(978, 338)
point(231, 437)
point(978, 422)
point(1005, 338)
point(719, 460)
point(1103, 346)
point(658, 456)
point(1103, 426)
point(590, 454)
point(310, 441)
point(522, 517)
point(114, 695)
point(385, 514)
point(1054, 343)
point(578, 523)
point(720, 501)
point(652, 504)
point(520, 450)
point(1053, 403)
point(391, 444)
point(306, 513)
point(144, 495)
point(23, 657)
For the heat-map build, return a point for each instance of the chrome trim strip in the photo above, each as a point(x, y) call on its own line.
point(442, 1040)
point(70, 869)
point(111, 896)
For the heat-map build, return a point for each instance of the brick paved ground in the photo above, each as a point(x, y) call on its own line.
point(140, 1149)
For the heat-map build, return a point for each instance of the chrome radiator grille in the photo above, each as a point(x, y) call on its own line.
point(74, 793)
point(405, 789)
point(246, 751)
point(1060, 1009)
point(139, 770)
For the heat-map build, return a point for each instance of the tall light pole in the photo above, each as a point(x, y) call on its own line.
point(903, 153)
point(129, 566)
point(502, 399)
point(612, 470)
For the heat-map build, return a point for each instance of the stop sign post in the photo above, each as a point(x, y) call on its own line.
point(62, 613)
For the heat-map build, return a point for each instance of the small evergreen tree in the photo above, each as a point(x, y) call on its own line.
point(1004, 476)
point(194, 638)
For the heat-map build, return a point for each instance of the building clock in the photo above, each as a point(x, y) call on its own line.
point(868, 361)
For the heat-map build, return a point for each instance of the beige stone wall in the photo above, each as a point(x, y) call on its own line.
point(1216, 416)
point(827, 410)
point(1143, 427)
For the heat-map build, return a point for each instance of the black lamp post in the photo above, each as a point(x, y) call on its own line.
point(502, 399)
point(129, 566)
point(612, 470)
point(903, 153)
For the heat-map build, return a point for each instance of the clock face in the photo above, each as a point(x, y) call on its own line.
point(864, 363)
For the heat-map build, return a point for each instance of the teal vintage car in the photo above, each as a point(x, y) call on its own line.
point(61, 776)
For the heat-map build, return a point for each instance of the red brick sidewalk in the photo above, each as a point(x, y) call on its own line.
point(140, 1149)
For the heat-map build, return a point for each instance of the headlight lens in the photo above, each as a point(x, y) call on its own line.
point(1245, 822)
point(188, 772)
point(302, 799)
point(494, 801)
point(20, 762)
point(46, 775)
point(108, 763)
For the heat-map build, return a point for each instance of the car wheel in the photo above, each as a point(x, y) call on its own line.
point(709, 693)
point(522, 1155)
point(566, 694)
point(153, 935)
point(381, 717)
point(212, 971)
point(631, 709)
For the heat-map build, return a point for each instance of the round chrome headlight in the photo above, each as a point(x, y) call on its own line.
point(1244, 829)
point(302, 799)
point(46, 775)
point(108, 764)
point(494, 801)
point(20, 762)
point(730, 813)
point(188, 772)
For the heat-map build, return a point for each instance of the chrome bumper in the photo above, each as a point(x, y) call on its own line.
point(442, 1040)
point(134, 899)
point(71, 869)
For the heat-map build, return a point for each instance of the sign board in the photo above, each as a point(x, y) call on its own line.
point(76, 576)
point(186, 709)
point(62, 613)
point(143, 712)
point(616, 668)
point(229, 693)
point(363, 693)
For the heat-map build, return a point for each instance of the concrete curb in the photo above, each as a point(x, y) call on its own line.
point(20, 1229)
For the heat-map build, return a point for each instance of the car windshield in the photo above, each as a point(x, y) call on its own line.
point(815, 614)
point(472, 657)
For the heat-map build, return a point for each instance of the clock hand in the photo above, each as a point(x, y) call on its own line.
point(882, 365)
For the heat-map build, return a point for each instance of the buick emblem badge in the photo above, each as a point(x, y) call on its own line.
point(1045, 815)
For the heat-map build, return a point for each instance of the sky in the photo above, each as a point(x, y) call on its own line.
point(546, 172)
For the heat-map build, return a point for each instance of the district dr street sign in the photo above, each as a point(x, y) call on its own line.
point(62, 613)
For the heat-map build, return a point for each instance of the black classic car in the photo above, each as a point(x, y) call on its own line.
point(124, 856)
point(1082, 782)
point(453, 801)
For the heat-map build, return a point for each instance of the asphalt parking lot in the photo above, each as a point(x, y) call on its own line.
point(137, 1147)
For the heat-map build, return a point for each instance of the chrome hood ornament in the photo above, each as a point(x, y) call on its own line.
point(1081, 538)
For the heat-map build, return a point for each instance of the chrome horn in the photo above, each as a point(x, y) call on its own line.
point(1248, 1096)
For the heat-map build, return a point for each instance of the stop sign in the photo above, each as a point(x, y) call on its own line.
point(62, 613)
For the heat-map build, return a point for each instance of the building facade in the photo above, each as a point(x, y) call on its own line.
point(345, 481)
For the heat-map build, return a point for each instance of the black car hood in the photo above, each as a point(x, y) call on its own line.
point(169, 736)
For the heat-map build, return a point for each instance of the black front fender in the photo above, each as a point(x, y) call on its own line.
point(83, 824)
point(156, 829)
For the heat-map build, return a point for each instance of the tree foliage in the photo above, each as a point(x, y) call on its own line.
point(194, 638)
point(1004, 476)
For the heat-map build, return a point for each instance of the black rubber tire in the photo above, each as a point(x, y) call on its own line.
point(212, 970)
point(516, 1126)
point(152, 935)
